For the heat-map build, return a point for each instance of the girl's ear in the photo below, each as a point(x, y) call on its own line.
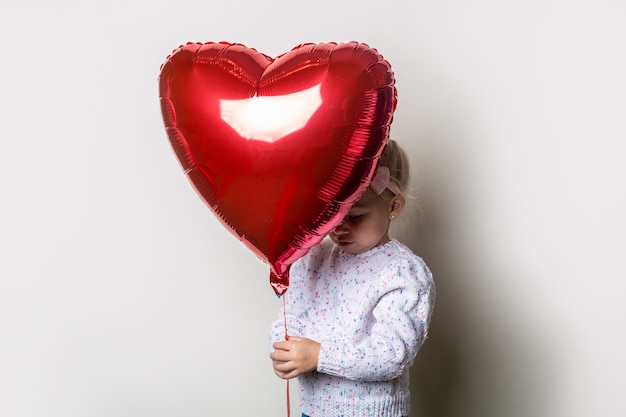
point(396, 206)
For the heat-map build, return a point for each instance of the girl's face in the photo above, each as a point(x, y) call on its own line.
point(367, 223)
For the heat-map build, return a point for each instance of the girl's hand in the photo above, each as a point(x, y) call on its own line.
point(294, 357)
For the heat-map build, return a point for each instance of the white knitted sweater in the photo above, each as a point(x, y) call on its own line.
point(370, 312)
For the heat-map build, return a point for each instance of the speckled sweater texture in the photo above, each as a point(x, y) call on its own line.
point(370, 312)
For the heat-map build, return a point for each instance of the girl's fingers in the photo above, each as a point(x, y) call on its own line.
point(279, 355)
point(284, 345)
point(283, 370)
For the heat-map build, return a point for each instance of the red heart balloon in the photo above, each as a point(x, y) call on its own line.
point(278, 148)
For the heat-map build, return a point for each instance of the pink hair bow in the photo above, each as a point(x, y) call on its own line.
point(382, 181)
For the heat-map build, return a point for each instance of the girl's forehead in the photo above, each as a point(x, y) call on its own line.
point(368, 198)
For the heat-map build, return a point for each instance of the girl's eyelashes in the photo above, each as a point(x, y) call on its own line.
point(355, 217)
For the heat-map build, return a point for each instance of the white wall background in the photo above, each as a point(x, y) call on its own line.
point(121, 295)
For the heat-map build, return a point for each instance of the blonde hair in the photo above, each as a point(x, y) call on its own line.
point(395, 158)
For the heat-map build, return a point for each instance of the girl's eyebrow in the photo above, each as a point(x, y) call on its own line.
point(358, 205)
point(361, 204)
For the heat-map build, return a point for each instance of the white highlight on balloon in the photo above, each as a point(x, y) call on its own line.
point(271, 118)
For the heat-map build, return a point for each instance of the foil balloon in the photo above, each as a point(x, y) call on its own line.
point(278, 148)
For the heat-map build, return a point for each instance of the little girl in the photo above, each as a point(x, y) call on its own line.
point(357, 309)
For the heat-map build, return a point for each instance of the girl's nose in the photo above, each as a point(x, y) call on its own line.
point(341, 228)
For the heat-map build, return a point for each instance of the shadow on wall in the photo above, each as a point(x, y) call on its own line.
point(437, 374)
point(438, 368)
point(482, 357)
point(437, 371)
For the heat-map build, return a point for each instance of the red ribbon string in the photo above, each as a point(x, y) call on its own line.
point(286, 338)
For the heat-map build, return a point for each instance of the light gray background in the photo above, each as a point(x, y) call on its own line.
point(121, 295)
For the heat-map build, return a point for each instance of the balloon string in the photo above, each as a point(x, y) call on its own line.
point(285, 316)
point(286, 338)
point(288, 402)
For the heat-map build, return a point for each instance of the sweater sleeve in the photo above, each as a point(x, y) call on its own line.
point(400, 324)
